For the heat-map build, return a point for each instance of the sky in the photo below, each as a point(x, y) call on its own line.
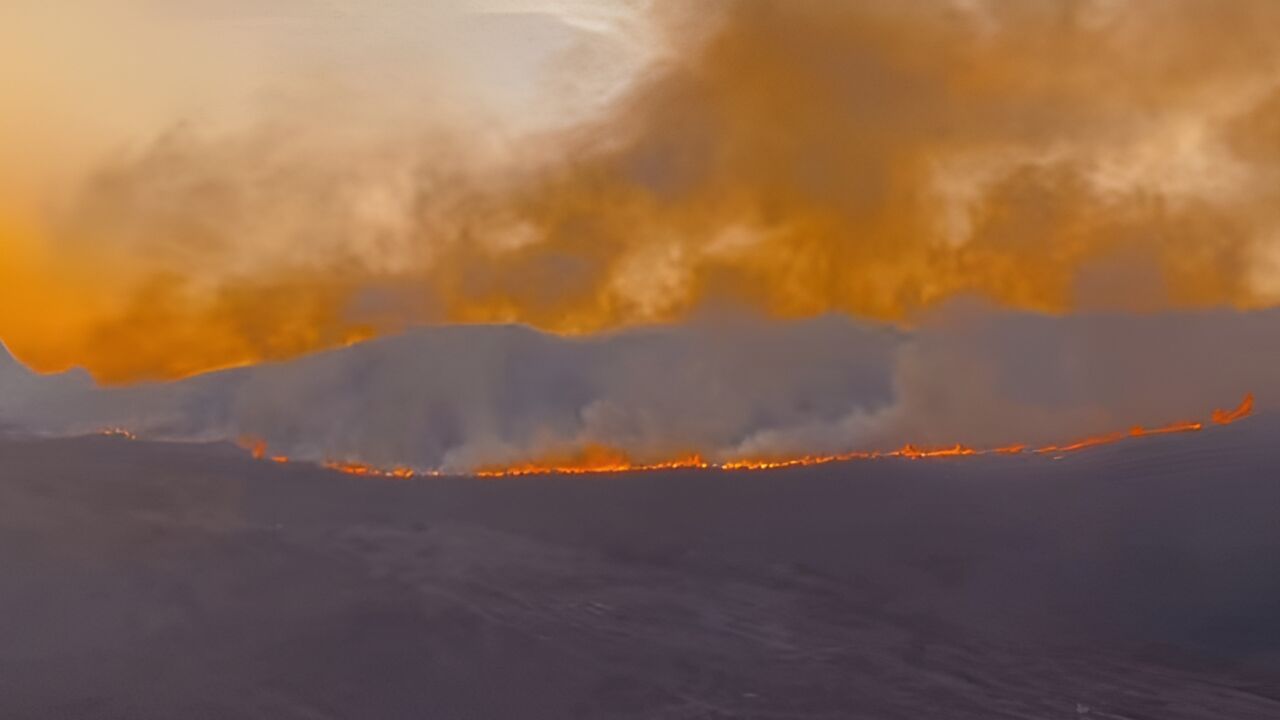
point(187, 187)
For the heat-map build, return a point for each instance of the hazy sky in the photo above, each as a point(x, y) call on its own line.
point(102, 73)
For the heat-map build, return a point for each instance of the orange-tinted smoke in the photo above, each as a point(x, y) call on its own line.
point(873, 158)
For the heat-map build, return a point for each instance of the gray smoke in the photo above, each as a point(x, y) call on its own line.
point(469, 396)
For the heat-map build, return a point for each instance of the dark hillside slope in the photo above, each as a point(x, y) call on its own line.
point(148, 580)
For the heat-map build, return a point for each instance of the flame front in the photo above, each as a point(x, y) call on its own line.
point(592, 459)
point(257, 447)
point(1243, 410)
point(600, 459)
point(363, 470)
point(118, 432)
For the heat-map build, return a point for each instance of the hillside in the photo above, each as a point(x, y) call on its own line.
point(170, 580)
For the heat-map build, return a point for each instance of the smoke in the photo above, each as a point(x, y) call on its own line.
point(462, 398)
point(793, 159)
point(988, 379)
point(469, 396)
point(190, 186)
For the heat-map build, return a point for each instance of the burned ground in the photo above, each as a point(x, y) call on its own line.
point(147, 580)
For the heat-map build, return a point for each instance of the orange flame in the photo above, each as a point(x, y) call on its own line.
point(118, 432)
point(598, 459)
point(362, 470)
point(1243, 410)
point(1178, 427)
point(1081, 444)
point(591, 459)
point(257, 447)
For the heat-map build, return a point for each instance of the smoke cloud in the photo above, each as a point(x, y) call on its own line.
point(792, 159)
point(463, 398)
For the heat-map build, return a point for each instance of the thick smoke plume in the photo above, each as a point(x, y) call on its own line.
point(793, 158)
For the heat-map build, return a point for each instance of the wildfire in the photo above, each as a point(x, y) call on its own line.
point(1243, 410)
point(362, 470)
point(118, 432)
point(257, 447)
point(598, 459)
point(592, 459)
point(1139, 431)
point(1092, 441)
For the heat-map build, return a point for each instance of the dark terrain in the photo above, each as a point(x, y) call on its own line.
point(159, 581)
